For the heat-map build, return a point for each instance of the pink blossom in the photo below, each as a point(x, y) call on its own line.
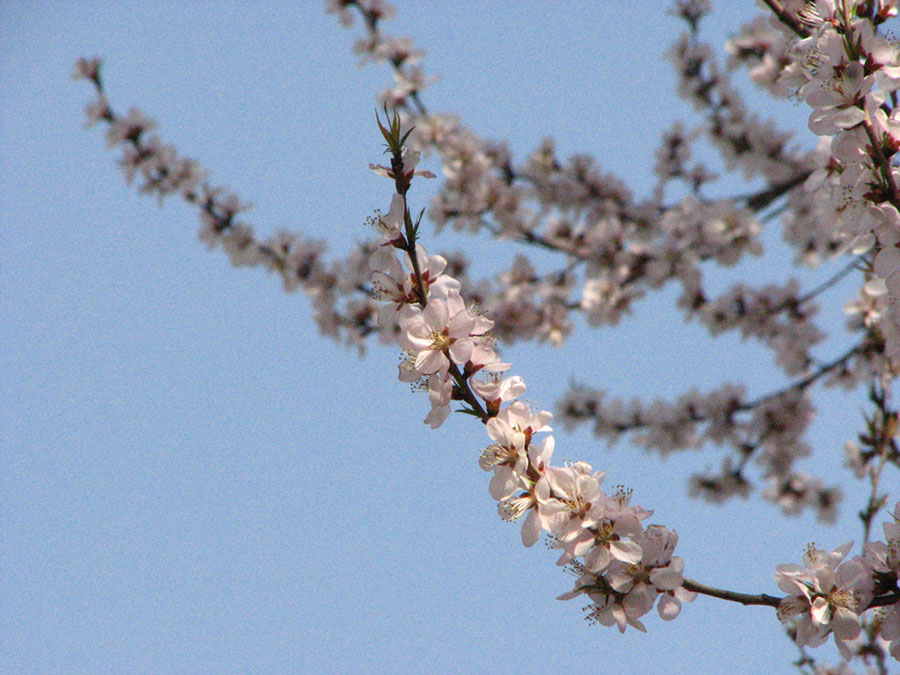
point(535, 497)
point(826, 596)
point(440, 390)
point(410, 161)
point(440, 333)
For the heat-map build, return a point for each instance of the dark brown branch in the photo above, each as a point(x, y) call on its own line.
point(766, 600)
point(787, 18)
point(732, 596)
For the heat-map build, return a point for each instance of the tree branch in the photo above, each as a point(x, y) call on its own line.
point(732, 596)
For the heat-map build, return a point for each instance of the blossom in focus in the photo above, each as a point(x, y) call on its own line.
point(825, 596)
point(441, 333)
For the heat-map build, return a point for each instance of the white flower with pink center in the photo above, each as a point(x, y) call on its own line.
point(496, 390)
point(507, 457)
point(830, 595)
point(410, 161)
point(440, 333)
point(521, 416)
point(535, 496)
point(606, 542)
point(396, 286)
point(390, 226)
point(625, 611)
point(578, 505)
point(669, 580)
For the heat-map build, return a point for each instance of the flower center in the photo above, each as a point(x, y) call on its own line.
point(845, 598)
point(513, 509)
point(440, 341)
point(604, 533)
point(576, 505)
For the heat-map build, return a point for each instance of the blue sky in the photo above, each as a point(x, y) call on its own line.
point(195, 481)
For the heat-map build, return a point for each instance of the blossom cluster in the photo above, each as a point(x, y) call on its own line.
point(848, 73)
point(623, 566)
point(828, 593)
point(770, 432)
point(617, 248)
point(839, 198)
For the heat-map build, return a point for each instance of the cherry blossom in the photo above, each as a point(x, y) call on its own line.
point(441, 332)
point(837, 199)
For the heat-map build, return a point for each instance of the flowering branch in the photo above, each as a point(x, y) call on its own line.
point(620, 566)
point(841, 198)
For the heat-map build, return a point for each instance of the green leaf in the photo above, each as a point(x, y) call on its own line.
point(406, 135)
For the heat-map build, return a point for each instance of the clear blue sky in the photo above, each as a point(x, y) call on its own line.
point(194, 481)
